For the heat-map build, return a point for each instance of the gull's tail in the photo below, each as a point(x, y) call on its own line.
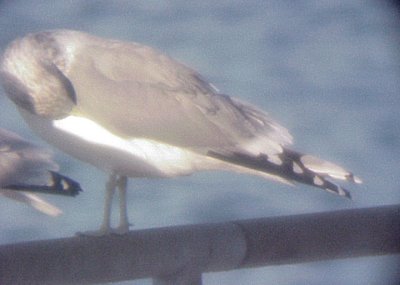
point(294, 166)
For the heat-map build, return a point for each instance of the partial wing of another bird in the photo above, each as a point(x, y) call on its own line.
point(32, 200)
point(28, 168)
point(58, 185)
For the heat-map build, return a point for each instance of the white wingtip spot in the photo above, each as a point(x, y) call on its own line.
point(64, 184)
point(318, 181)
point(297, 169)
point(357, 180)
point(275, 159)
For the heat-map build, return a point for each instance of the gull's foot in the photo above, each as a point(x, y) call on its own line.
point(121, 229)
point(97, 233)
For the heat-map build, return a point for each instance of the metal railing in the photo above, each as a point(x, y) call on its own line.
point(179, 255)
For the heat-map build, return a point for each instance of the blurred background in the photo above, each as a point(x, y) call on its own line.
point(327, 70)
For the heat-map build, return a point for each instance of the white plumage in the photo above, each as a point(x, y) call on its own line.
point(135, 112)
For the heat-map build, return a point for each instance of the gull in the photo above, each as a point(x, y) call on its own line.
point(133, 111)
point(28, 168)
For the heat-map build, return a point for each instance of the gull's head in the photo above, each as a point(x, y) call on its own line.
point(32, 72)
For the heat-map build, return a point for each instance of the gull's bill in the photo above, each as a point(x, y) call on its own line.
point(135, 112)
point(28, 168)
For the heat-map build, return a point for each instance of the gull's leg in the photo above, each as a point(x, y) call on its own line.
point(105, 226)
point(123, 226)
point(110, 190)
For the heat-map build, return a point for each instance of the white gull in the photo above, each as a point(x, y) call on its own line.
point(135, 112)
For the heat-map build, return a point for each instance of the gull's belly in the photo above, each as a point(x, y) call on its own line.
point(138, 157)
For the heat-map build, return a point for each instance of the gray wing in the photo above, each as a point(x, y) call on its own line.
point(136, 91)
point(25, 167)
point(22, 162)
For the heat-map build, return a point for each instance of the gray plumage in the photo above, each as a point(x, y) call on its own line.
point(27, 169)
point(156, 117)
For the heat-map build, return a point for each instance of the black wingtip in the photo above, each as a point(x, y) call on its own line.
point(288, 166)
point(59, 185)
point(64, 185)
point(335, 189)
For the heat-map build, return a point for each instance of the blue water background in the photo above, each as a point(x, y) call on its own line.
point(327, 70)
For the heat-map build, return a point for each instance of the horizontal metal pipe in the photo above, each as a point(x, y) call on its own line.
point(322, 236)
point(202, 248)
